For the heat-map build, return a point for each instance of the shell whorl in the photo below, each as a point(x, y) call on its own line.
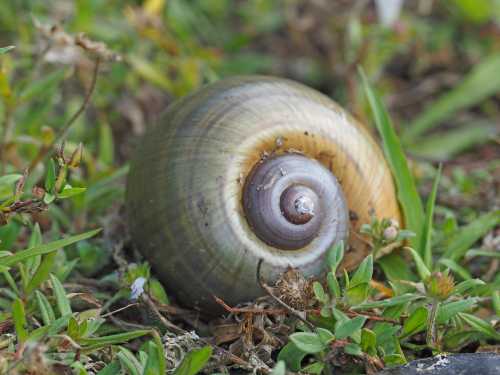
point(291, 199)
point(186, 186)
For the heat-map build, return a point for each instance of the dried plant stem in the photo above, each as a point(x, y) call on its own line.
point(251, 310)
point(431, 336)
point(63, 132)
point(301, 315)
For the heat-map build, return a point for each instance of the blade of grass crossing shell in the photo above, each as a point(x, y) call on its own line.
point(407, 191)
point(426, 242)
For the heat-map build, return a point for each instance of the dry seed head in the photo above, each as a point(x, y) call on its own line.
point(440, 285)
point(294, 289)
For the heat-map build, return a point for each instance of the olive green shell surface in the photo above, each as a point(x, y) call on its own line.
point(185, 186)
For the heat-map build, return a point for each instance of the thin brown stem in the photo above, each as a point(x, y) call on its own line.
point(431, 336)
point(242, 310)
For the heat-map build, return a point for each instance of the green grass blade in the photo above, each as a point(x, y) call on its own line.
point(446, 144)
point(194, 362)
point(482, 82)
point(62, 300)
point(456, 268)
point(469, 234)
point(422, 269)
point(407, 191)
point(162, 364)
point(42, 272)
point(19, 317)
point(394, 301)
point(119, 338)
point(426, 242)
point(44, 249)
point(46, 310)
point(6, 49)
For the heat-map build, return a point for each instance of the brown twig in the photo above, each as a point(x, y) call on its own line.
point(371, 317)
point(251, 310)
point(118, 310)
point(301, 315)
point(62, 133)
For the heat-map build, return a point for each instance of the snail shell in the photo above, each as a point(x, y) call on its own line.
point(252, 168)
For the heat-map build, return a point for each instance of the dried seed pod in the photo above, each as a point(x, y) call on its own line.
point(252, 168)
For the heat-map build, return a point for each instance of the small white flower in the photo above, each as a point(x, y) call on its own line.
point(388, 11)
point(137, 288)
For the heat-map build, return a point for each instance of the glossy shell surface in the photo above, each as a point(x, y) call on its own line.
point(186, 183)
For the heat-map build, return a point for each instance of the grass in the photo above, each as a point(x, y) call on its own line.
point(66, 280)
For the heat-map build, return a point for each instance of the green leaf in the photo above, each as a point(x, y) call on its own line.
point(319, 292)
point(106, 146)
point(346, 329)
point(357, 294)
point(152, 363)
point(46, 310)
point(404, 298)
point(44, 249)
point(495, 297)
point(279, 369)
point(194, 361)
point(292, 356)
point(480, 325)
point(395, 267)
point(368, 341)
point(41, 273)
point(392, 360)
point(364, 272)
point(407, 192)
point(466, 285)
point(477, 11)
point(449, 310)
point(335, 256)
point(456, 268)
point(482, 82)
point(69, 191)
point(461, 338)
point(333, 284)
point(50, 177)
point(113, 368)
point(7, 185)
point(6, 49)
point(422, 269)
point(353, 349)
point(119, 338)
point(468, 235)
point(416, 322)
point(325, 335)
point(313, 368)
point(62, 300)
point(445, 145)
point(426, 243)
point(19, 317)
point(129, 362)
point(308, 342)
point(48, 198)
point(160, 354)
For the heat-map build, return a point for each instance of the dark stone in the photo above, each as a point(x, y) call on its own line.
point(453, 364)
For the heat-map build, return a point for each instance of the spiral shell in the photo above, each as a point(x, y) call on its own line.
point(194, 182)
